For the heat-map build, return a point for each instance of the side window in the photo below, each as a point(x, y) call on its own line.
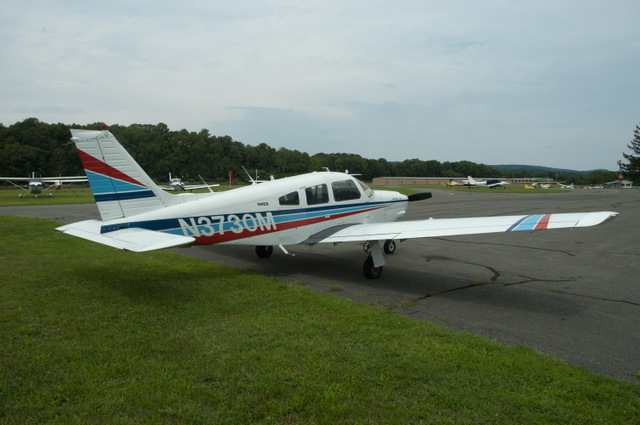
point(317, 194)
point(345, 190)
point(290, 199)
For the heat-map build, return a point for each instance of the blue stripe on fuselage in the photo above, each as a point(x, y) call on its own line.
point(172, 225)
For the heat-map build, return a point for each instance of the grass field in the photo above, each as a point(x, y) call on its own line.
point(95, 335)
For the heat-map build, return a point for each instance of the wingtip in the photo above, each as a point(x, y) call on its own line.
point(596, 218)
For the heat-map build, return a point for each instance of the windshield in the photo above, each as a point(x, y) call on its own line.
point(367, 189)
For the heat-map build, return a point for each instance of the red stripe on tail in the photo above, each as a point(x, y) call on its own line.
point(95, 165)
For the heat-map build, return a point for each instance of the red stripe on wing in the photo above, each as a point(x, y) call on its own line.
point(543, 223)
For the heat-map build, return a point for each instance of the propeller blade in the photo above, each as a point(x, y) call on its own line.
point(419, 196)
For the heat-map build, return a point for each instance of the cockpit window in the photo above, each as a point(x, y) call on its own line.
point(367, 189)
point(318, 194)
point(345, 190)
point(290, 199)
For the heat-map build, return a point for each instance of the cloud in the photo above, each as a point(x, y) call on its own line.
point(489, 82)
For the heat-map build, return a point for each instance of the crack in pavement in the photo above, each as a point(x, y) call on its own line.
point(596, 298)
point(492, 279)
point(533, 279)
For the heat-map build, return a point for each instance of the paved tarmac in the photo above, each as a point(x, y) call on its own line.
point(574, 294)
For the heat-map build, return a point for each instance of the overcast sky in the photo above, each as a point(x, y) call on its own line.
point(553, 83)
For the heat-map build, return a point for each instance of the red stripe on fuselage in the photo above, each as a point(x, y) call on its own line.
point(230, 235)
point(543, 223)
point(96, 166)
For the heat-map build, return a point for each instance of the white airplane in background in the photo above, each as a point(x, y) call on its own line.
point(565, 186)
point(541, 186)
point(176, 185)
point(318, 207)
point(489, 183)
point(36, 185)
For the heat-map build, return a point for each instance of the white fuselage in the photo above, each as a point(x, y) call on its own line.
point(279, 212)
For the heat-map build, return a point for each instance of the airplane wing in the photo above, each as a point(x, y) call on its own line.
point(457, 226)
point(199, 186)
point(132, 239)
point(9, 179)
point(70, 179)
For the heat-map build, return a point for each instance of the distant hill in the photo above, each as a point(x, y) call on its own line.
point(538, 171)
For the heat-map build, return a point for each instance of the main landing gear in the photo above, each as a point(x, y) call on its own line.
point(372, 267)
point(390, 246)
point(370, 271)
point(264, 251)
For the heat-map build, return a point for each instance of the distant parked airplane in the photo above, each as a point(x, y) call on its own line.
point(36, 185)
point(540, 186)
point(489, 183)
point(176, 185)
point(565, 186)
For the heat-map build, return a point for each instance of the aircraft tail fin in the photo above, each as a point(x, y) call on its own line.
point(120, 186)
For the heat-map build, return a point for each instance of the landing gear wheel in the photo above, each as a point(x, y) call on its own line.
point(371, 272)
point(264, 251)
point(390, 246)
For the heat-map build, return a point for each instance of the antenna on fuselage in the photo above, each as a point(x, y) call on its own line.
point(249, 175)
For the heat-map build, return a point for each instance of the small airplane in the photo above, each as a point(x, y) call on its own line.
point(36, 185)
point(176, 185)
point(489, 183)
point(565, 186)
point(538, 186)
point(453, 183)
point(317, 207)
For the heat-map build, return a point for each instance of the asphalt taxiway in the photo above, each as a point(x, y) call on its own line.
point(573, 294)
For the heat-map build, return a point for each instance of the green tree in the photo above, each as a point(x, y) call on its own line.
point(292, 161)
point(598, 177)
point(631, 169)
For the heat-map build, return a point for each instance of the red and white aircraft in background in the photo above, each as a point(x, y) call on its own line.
point(318, 207)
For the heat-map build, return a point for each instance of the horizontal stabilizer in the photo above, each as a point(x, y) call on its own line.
point(132, 239)
point(459, 226)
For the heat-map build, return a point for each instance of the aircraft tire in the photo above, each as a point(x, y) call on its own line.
point(264, 251)
point(390, 246)
point(371, 272)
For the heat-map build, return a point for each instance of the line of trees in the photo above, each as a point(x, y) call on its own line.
point(31, 145)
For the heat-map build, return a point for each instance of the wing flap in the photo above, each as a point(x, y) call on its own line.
point(132, 239)
point(460, 226)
